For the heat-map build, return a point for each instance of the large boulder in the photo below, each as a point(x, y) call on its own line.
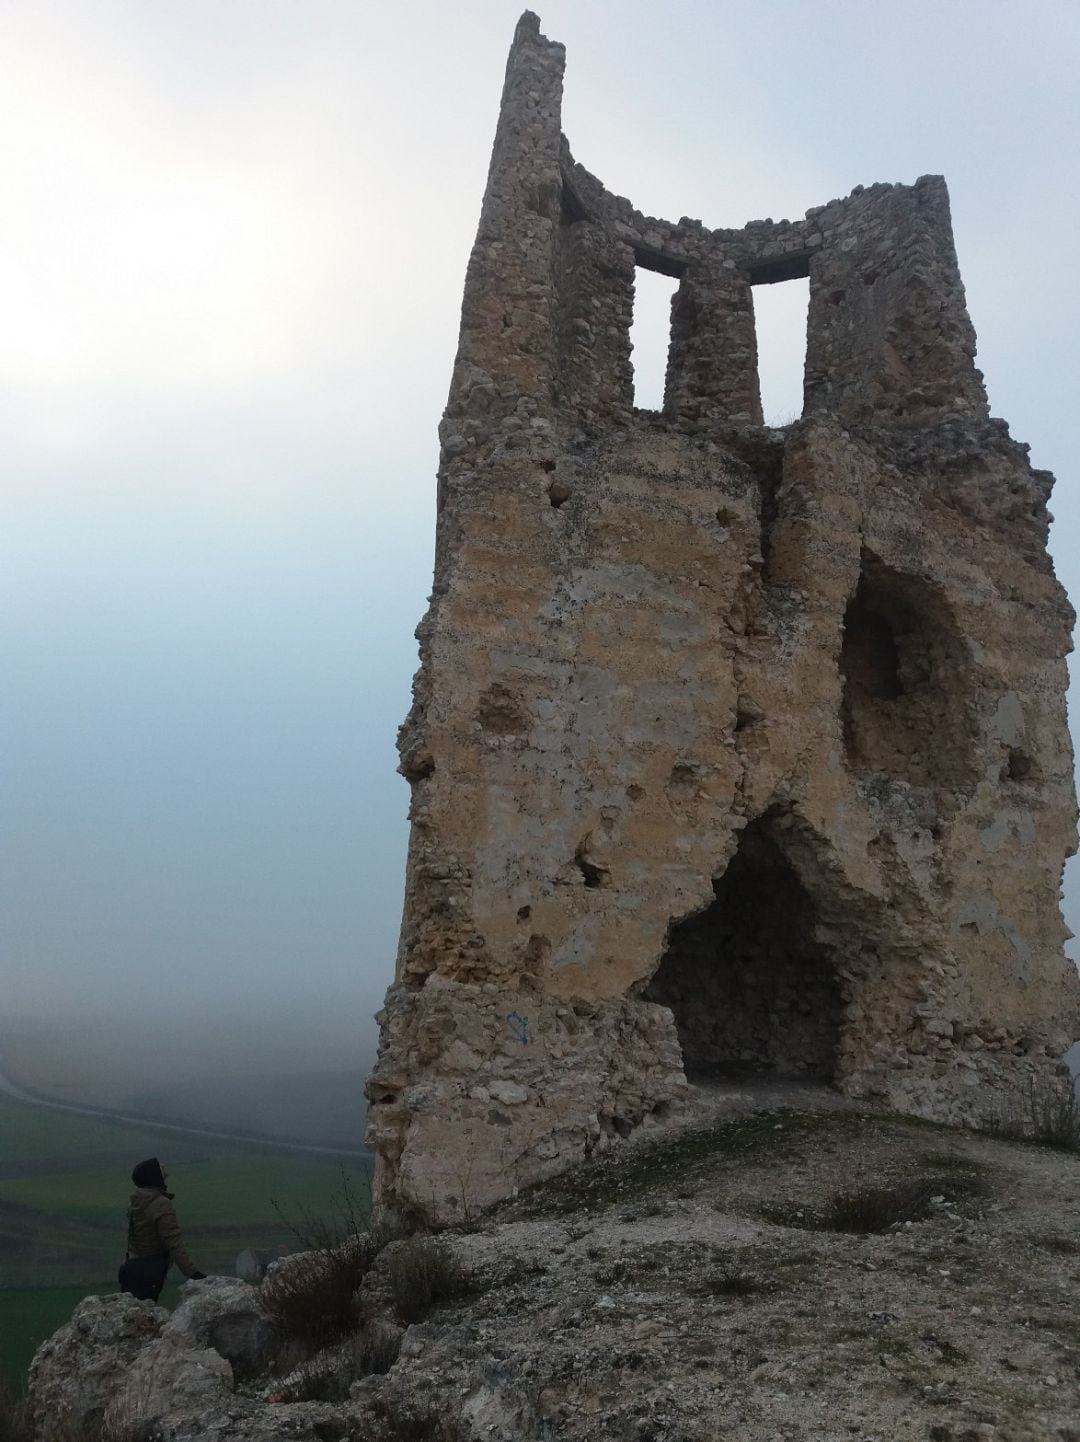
point(81, 1367)
point(253, 1262)
point(224, 1314)
point(168, 1381)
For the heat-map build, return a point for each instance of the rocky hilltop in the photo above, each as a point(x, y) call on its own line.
point(781, 1267)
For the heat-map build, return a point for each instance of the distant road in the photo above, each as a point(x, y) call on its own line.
point(9, 1088)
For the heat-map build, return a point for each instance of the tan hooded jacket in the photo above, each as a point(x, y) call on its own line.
point(153, 1230)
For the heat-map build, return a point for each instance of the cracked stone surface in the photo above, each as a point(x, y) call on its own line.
point(733, 750)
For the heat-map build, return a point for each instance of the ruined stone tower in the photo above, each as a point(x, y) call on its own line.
point(733, 750)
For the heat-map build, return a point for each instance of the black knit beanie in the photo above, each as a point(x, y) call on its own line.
point(148, 1174)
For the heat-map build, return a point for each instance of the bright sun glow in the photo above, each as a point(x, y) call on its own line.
point(137, 260)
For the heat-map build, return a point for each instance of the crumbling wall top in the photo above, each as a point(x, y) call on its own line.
point(549, 293)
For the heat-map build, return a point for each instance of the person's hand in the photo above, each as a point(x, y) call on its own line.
point(197, 1277)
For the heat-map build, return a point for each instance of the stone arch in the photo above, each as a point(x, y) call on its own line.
point(906, 676)
point(752, 982)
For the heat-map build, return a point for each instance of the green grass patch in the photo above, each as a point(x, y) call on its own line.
point(242, 1189)
point(32, 1133)
point(72, 1227)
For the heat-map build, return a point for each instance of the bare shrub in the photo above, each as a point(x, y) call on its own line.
point(389, 1224)
point(1046, 1112)
point(1055, 1117)
point(422, 1273)
point(735, 1282)
point(313, 1297)
point(865, 1210)
point(352, 1214)
point(376, 1349)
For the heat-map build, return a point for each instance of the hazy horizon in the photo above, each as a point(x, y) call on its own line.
point(236, 240)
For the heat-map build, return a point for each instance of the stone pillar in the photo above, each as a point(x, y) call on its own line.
point(506, 347)
point(712, 364)
point(595, 309)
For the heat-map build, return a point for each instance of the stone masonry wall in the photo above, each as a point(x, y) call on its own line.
point(660, 644)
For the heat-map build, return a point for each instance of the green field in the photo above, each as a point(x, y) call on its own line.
point(64, 1185)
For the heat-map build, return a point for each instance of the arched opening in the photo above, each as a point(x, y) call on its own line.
point(751, 989)
point(905, 675)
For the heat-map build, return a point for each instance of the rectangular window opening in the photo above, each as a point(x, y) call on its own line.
point(650, 335)
point(780, 312)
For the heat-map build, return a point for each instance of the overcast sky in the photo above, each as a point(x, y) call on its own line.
point(233, 243)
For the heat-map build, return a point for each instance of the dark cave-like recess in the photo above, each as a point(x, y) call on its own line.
point(751, 990)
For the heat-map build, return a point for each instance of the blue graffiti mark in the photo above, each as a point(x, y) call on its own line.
point(519, 1026)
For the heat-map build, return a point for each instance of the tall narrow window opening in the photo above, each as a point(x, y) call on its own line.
point(650, 335)
point(780, 312)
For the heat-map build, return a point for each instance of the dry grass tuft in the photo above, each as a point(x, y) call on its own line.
point(422, 1273)
point(735, 1282)
point(314, 1298)
point(867, 1210)
point(1047, 1113)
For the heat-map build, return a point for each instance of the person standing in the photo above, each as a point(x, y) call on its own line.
point(154, 1238)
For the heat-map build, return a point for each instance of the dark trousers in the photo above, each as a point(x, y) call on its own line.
point(143, 1277)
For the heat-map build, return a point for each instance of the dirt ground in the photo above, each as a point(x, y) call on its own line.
point(685, 1288)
